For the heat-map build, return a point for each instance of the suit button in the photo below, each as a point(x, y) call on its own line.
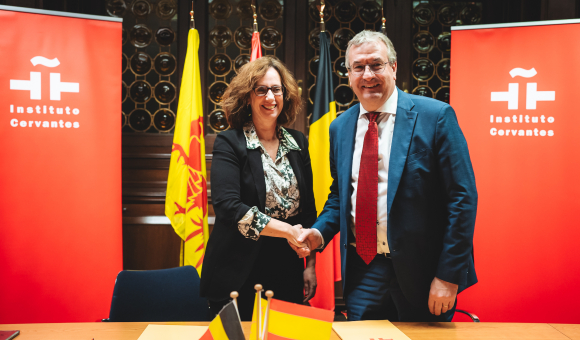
point(344, 246)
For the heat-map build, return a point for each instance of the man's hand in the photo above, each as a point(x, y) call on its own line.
point(441, 296)
point(299, 247)
point(309, 282)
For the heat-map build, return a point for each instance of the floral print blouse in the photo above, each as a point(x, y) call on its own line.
point(282, 194)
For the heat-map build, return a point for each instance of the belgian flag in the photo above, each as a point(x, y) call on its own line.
point(328, 262)
point(324, 113)
point(226, 325)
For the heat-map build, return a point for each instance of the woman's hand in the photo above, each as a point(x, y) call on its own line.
point(277, 228)
point(310, 278)
point(292, 236)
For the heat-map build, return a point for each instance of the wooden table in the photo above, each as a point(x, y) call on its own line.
point(416, 331)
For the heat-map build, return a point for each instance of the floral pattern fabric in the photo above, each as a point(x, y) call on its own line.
point(282, 194)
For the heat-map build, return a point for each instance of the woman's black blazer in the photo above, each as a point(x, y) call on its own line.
point(237, 184)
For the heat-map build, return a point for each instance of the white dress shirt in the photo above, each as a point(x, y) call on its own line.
point(385, 125)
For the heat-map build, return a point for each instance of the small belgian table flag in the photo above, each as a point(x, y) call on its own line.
point(226, 325)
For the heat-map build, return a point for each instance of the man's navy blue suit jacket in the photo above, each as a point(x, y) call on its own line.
point(431, 198)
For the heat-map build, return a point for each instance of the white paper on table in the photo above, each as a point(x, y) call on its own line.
point(368, 330)
point(172, 332)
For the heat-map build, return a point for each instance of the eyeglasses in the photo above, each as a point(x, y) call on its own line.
point(263, 90)
point(376, 68)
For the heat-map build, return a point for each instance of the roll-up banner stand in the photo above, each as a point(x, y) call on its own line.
point(515, 90)
point(60, 165)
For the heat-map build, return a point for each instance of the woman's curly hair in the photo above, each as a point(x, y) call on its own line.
point(235, 99)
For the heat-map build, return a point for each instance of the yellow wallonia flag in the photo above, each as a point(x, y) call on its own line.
point(186, 200)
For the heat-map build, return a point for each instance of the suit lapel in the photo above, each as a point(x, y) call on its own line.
point(404, 124)
point(255, 162)
point(343, 159)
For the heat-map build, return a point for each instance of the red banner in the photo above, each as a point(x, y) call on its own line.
point(60, 172)
point(514, 92)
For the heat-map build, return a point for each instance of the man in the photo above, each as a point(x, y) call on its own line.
point(403, 196)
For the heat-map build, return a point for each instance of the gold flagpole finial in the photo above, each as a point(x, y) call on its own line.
point(321, 10)
point(192, 22)
point(255, 17)
point(383, 26)
point(234, 295)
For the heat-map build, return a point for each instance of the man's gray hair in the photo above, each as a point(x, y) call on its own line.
point(372, 37)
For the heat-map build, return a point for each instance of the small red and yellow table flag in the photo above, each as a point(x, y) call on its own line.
point(186, 199)
point(285, 320)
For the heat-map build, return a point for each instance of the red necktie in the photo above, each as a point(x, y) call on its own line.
point(367, 192)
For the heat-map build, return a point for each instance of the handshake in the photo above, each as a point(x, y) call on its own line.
point(303, 241)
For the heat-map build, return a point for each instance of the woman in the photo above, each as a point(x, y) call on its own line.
point(261, 188)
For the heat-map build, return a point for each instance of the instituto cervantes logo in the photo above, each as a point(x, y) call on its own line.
point(512, 98)
point(43, 115)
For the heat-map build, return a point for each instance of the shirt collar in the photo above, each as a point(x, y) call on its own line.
point(253, 142)
point(390, 106)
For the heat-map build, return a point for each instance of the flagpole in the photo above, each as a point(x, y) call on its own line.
point(234, 296)
point(191, 22)
point(256, 51)
point(383, 26)
point(269, 295)
point(321, 10)
point(258, 289)
point(255, 16)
